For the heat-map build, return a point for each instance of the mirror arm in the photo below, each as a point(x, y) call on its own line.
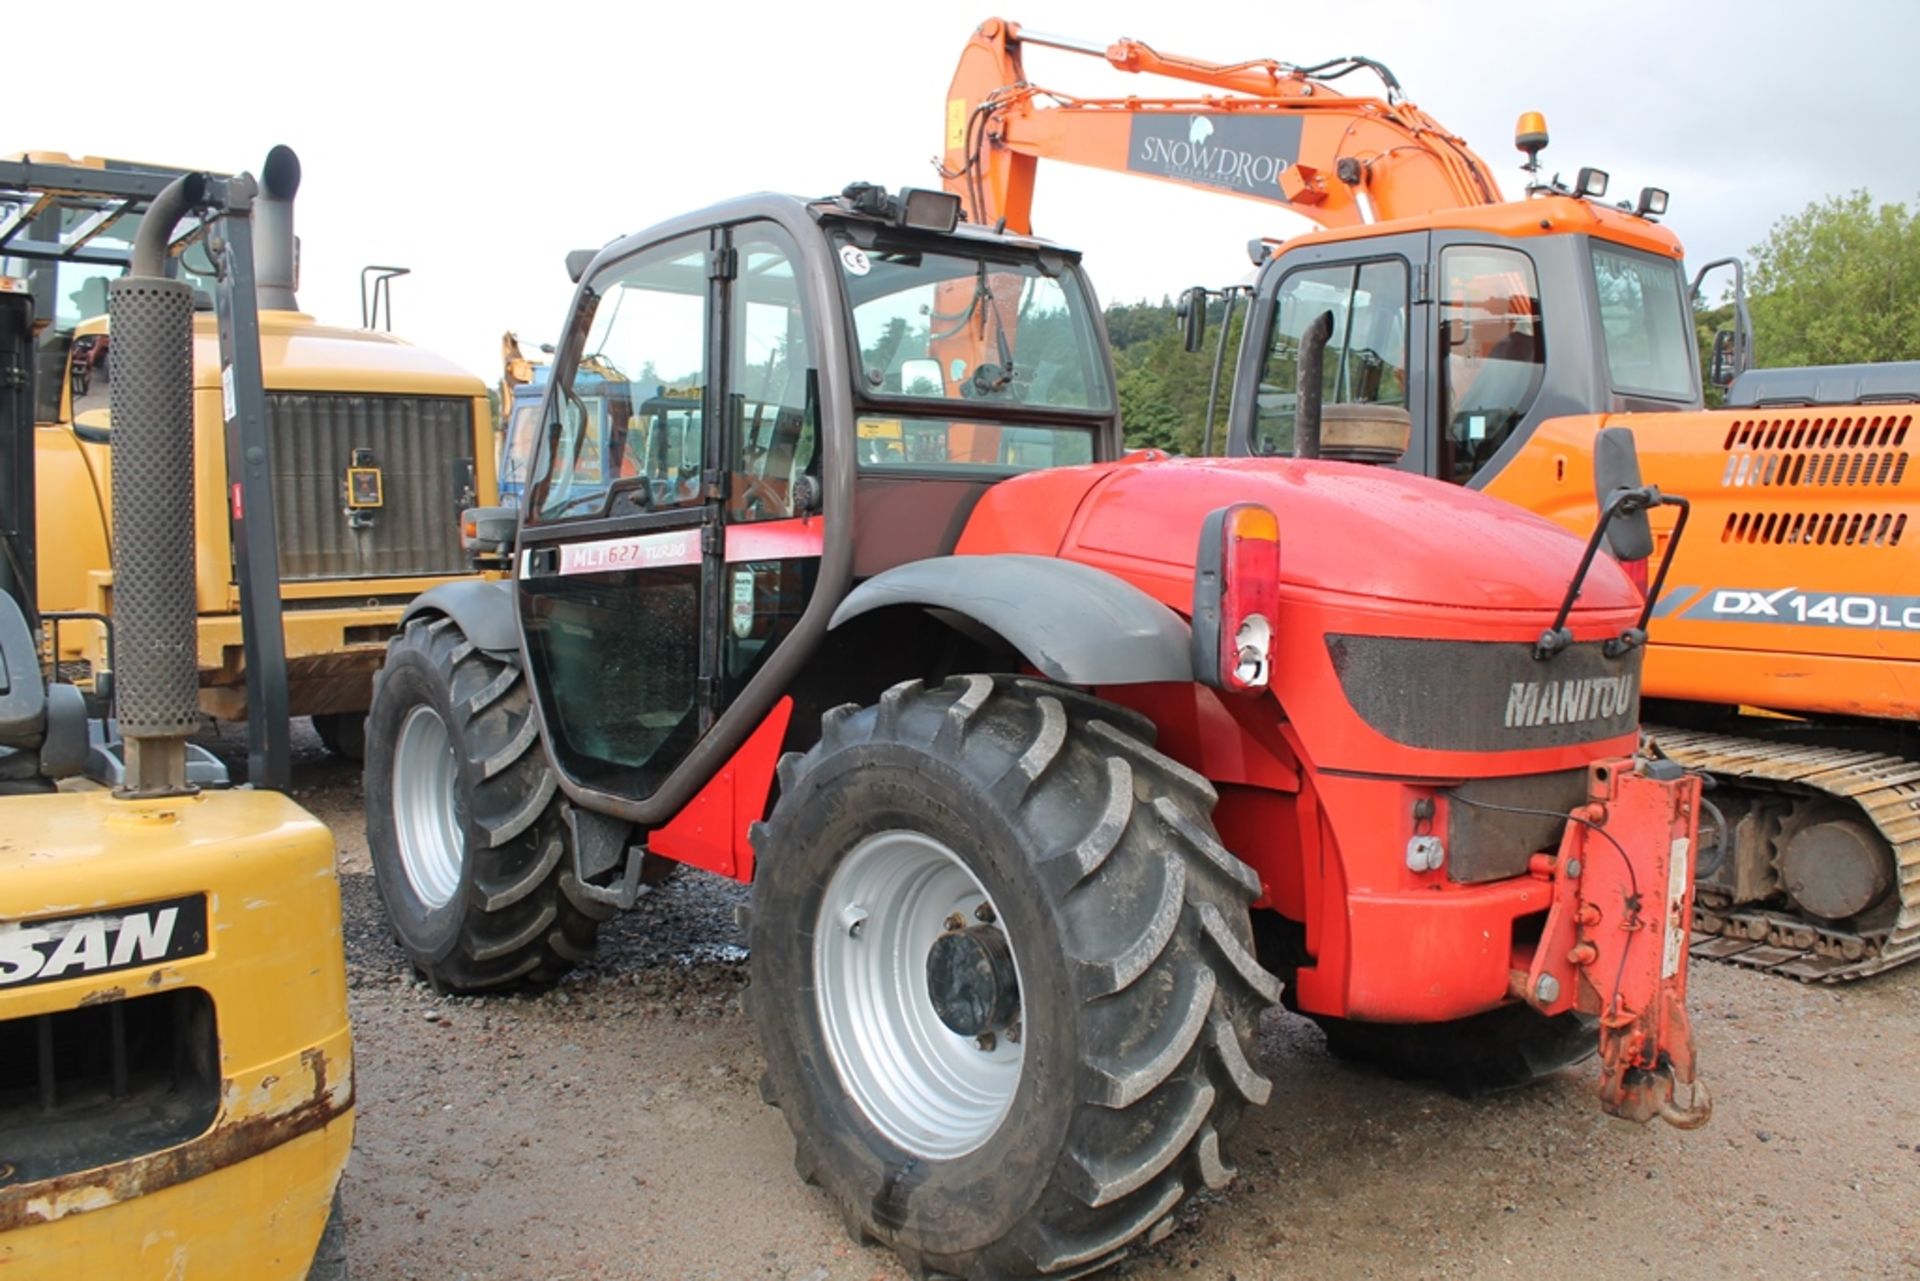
point(1624, 502)
point(1637, 634)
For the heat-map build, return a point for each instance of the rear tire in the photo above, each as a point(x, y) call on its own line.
point(471, 850)
point(342, 733)
point(1095, 859)
point(1500, 1049)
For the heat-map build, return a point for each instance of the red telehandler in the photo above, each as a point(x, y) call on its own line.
point(1051, 765)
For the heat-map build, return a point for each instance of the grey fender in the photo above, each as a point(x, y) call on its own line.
point(482, 607)
point(1078, 625)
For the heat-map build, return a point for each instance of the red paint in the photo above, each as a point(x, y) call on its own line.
point(793, 539)
point(711, 830)
point(1616, 937)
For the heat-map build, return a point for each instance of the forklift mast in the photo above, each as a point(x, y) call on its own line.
point(60, 213)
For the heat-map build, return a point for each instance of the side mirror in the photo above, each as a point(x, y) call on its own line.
point(921, 378)
point(1616, 466)
point(1193, 316)
point(1722, 372)
point(487, 534)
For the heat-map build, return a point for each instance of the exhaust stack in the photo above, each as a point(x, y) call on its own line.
point(276, 250)
point(150, 398)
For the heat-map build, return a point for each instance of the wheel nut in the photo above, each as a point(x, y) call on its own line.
point(1013, 1034)
point(985, 1041)
point(956, 922)
point(984, 914)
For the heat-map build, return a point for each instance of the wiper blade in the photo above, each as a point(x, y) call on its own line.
point(982, 291)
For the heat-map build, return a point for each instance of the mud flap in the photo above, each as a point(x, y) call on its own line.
point(1615, 941)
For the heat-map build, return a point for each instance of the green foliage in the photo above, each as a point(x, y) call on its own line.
point(1837, 283)
point(1163, 386)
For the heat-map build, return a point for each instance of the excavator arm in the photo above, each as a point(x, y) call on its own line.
point(1278, 133)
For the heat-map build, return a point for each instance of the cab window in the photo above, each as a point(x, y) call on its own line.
point(1366, 358)
point(774, 411)
point(627, 435)
point(1650, 345)
point(1494, 357)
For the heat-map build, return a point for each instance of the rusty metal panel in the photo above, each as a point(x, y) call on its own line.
point(1486, 844)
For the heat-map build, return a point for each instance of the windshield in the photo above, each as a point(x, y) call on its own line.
point(1649, 342)
point(70, 292)
point(949, 325)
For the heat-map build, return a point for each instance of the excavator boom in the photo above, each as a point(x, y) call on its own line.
point(1279, 133)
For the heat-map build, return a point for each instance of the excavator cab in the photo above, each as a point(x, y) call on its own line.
point(1480, 325)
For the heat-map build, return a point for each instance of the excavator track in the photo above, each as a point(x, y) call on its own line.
point(1883, 790)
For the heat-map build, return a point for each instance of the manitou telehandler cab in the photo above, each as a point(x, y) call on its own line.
point(1052, 766)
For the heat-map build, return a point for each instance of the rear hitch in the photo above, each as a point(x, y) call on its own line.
point(1615, 942)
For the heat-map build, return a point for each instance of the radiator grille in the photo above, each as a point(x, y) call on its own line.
point(1815, 529)
point(1857, 450)
point(423, 446)
point(104, 1083)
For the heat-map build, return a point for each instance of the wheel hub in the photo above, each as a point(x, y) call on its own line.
point(898, 974)
point(971, 982)
point(426, 819)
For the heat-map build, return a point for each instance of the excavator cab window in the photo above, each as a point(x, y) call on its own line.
point(1644, 318)
point(1366, 359)
point(1494, 352)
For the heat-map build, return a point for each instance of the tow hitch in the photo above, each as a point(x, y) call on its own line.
point(1615, 941)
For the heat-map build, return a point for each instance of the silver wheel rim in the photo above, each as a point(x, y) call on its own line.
point(424, 819)
point(930, 1090)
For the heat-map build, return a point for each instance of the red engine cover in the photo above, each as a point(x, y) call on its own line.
point(1359, 531)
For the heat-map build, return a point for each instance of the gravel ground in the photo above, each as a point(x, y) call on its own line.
point(612, 1129)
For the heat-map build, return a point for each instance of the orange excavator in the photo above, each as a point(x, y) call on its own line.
point(1496, 339)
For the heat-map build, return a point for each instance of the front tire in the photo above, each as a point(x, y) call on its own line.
point(1037, 826)
point(471, 850)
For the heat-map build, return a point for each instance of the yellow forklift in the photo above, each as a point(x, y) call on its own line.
point(176, 1076)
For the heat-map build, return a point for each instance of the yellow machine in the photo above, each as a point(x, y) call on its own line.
point(176, 1073)
point(377, 447)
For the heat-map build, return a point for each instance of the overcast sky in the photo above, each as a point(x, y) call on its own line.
point(477, 144)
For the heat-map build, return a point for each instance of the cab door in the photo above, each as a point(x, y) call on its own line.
point(1377, 291)
point(641, 611)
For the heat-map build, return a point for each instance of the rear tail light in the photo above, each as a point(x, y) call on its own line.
point(1236, 596)
point(1637, 571)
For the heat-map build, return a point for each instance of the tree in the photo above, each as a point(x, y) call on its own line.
point(1163, 386)
point(1839, 283)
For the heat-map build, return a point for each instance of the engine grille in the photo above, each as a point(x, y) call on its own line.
point(423, 446)
point(1855, 450)
point(103, 1083)
point(1848, 449)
